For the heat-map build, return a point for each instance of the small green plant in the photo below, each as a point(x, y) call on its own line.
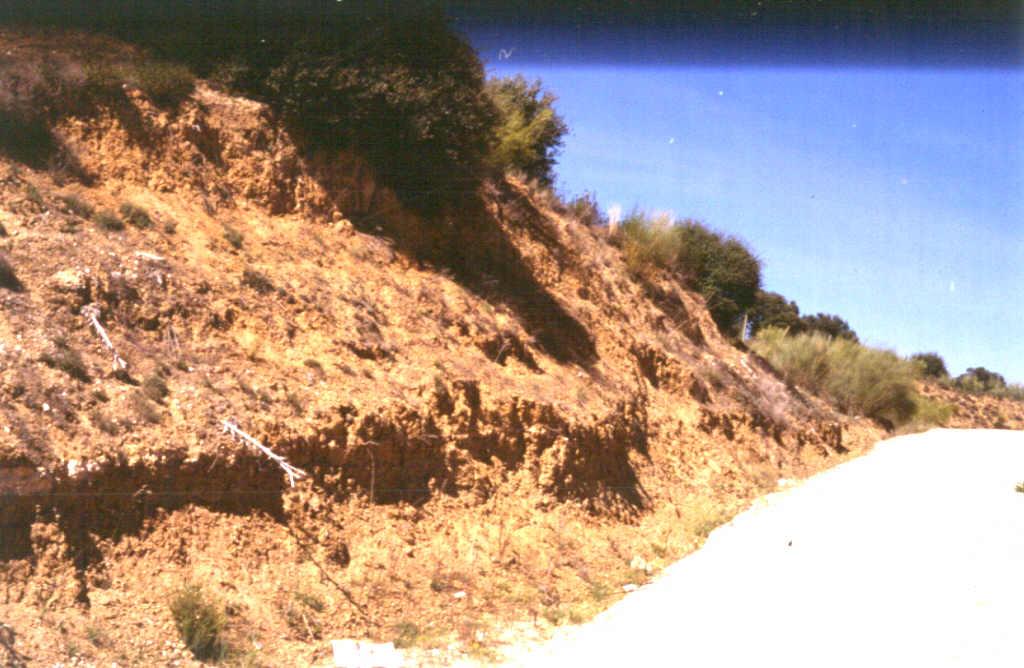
point(406, 635)
point(77, 206)
point(143, 407)
point(32, 194)
point(200, 622)
point(166, 84)
point(108, 220)
point(97, 635)
point(134, 214)
point(233, 237)
point(155, 388)
point(104, 422)
point(67, 359)
point(300, 614)
point(529, 131)
point(258, 281)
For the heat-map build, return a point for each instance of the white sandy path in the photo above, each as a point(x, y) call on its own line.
point(912, 555)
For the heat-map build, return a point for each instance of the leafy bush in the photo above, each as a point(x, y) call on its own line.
point(931, 365)
point(258, 281)
point(721, 268)
point(77, 206)
point(979, 380)
point(771, 309)
point(165, 84)
point(860, 380)
point(233, 237)
point(108, 220)
point(585, 209)
point(135, 215)
point(529, 132)
point(67, 359)
point(830, 325)
point(155, 388)
point(200, 623)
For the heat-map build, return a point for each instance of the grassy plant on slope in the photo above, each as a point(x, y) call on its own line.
point(861, 380)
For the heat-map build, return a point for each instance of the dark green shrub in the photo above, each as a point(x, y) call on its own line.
point(585, 209)
point(65, 358)
point(529, 132)
point(771, 309)
point(721, 268)
point(77, 206)
point(200, 622)
point(830, 325)
point(931, 365)
point(155, 388)
point(143, 407)
point(108, 220)
point(258, 281)
point(979, 380)
point(165, 84)
point(233, 237)
point(135, 215)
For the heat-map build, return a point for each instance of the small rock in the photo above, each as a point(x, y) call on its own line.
point(629, 587)
point(459, 594)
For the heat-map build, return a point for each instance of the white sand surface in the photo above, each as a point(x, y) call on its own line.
point(912, 555)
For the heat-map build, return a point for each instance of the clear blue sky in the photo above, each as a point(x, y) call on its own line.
point(893, 197)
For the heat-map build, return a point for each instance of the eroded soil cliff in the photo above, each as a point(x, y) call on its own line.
point(495, 419)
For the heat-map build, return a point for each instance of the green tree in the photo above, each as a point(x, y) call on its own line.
point(979, 379)
point(771, 309)
point(931, 364)
point(829, 324)
point(529, 131)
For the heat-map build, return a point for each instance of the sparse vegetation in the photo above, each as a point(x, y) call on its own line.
point(135, 215)
point(32, 194)
point(585, 209)
point(104, 423)
point(529, 131)
point(78, 206)
point(406, 635)
point(258, 281)
point(155, 387)
point(62, 356)
point(143, 407)
point(721, 268)
point(860, 380)
point(108, 220)
point(165, 84)
point(200, 622)
point(979, 380)
point(233, 237)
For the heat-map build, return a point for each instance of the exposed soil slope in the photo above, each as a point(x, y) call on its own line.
point(495, 418)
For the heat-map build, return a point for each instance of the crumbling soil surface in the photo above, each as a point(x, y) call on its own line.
point(497, 424)
point(908, 556)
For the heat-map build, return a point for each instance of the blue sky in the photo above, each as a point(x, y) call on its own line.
point(893, 197)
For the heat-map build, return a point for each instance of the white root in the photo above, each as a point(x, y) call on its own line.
point(231, 427)
point(92, 313)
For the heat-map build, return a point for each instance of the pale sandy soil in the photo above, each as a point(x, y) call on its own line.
point(912, 555)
